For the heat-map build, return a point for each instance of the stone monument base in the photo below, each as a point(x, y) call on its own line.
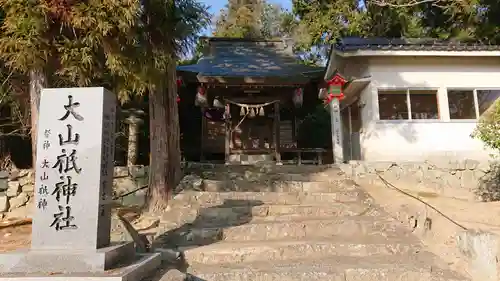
point(67, 261)
point(142, 266)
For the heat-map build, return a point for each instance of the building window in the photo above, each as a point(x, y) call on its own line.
point(470, 104)
point(485, 99)
point(408, 104)
point(461, 104)
point(393, 105)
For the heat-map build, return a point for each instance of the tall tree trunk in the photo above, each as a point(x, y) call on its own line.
point(165, 161)
point(38, 81)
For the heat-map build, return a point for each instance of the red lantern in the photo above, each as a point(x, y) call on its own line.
point(335, 87)
point(178, 99)
point(298, 97)
point(201, 97)
point(337, 80)
point(179, 82)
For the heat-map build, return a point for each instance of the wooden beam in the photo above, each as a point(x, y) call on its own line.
point(276, 139)
point(228, 133)
point(255, 81)
point(203, 130)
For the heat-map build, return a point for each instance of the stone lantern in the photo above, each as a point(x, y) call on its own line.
point(134, 122)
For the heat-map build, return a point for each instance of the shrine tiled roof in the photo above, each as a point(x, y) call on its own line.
point(226, 57)
point(349, 44)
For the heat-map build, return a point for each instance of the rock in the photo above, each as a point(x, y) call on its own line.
point(24, 172)
point(169, 255)
point(484, 166)
point(18, 201)
point(471, 164)
point(28, 179)
point(120, 172)
point(137, 171)
point(13, 188)
point(468, 179)
point(124, 185)
point(4, 175)
point(29, 188)
point(4, 203)
point(14, 175)
point(193, 182)
point(135, 199)
point(4, 184)
point(141, 181)
point(21, 212)
point(173, 275)
point(382, 166)
point(460, 165)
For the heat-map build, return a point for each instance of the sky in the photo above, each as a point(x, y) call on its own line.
point(217, 5)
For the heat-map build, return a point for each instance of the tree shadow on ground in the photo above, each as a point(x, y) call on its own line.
point(489, 187)
point(211, 223)
point(207, 228)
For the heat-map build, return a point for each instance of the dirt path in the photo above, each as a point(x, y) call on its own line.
point(438, 232)
point(13, 238)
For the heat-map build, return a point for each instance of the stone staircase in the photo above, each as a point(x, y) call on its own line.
point(289, 223)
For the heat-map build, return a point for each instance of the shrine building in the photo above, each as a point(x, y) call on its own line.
point(247, 101)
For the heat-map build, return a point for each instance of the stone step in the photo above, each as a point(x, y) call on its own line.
point(239, 252)
point(267, 213)
point(264, 176)
point(243, 185)
point(229, 199)
point(205, 233)
point(262, 168)
point(339, 268)
point(188, 213)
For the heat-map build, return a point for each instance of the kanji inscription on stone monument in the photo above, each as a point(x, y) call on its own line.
point(74, 169)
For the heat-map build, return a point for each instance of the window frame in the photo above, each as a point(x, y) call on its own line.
point(408, 103)
point(476, 101)
point(474, 97)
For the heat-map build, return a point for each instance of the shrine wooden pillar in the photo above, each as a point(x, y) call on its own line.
point(276, 138)
point(227, 137)
point(203, 129)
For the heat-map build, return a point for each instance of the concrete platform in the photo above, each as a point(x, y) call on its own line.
point(142, 266)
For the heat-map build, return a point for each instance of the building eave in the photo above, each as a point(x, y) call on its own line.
point(380, 53)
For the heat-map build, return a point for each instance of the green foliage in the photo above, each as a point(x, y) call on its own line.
point(322, 22)
point(239, 20)
point(488, 128)
point(254, 19)
point(125, 45)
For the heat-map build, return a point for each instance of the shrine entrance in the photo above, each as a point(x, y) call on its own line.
point(251, 127)
point(242, 89)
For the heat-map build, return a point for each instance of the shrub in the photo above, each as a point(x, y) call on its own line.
point(488, 128)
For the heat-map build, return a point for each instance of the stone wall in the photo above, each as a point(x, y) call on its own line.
point(465, 179)
point(17, 190)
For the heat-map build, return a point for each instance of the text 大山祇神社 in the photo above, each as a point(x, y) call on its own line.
point(66, 165)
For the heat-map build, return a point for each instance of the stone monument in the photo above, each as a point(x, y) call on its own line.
point(74, 174)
